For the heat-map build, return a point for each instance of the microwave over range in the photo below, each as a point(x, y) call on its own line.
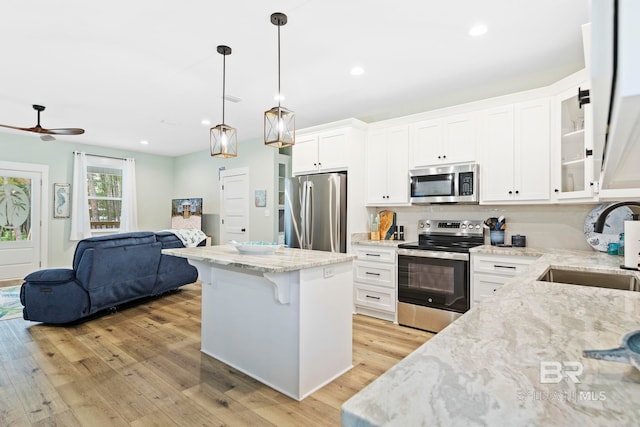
point(457, 183)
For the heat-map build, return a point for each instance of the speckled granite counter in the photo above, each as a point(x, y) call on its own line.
point(363, 239)
point(284, 259)
point(485, 368)
point(589, 261)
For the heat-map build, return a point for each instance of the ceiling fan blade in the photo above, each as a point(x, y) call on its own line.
point(65, 131)
point(39, 129)
point(15, 127)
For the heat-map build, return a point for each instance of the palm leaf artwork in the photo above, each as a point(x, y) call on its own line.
point(15, 208)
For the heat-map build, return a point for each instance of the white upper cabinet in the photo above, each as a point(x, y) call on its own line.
point(317, 152)
point(531, 180)
point(572, 149)
point(497, 167)
point(515, 153)
point(387, 166)
point(304, 157)
point(451, 139)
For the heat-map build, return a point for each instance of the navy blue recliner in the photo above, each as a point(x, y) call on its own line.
point(107, 271)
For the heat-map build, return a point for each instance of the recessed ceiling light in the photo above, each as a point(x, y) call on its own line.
point(206, 122)
point(357, 71)
point(478, 30)
point(144, 142)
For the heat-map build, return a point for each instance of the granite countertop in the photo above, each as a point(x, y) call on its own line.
point(363, 239)
point(588, 261)
point(283, 260)
point(485, 368)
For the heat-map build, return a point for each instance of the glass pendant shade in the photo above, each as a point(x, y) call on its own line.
point(224, 141)
point(279, 127)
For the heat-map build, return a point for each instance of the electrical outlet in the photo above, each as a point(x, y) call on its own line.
point(266, 212)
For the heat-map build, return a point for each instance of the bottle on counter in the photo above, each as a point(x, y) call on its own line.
point(621, 245)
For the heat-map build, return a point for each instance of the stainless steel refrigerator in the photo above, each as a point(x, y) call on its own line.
point(315, 213)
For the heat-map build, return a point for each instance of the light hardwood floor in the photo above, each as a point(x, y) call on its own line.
point(142, 367)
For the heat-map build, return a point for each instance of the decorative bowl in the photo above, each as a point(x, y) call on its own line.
point(256, 248)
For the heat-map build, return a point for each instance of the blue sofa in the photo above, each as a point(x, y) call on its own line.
point(108, 271)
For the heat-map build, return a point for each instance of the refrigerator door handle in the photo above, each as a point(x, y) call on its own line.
point(289, 204)
point(309, 215)
point(334, 212)
point(304, 219)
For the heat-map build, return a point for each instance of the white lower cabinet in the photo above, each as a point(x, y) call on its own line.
point(490, 272)
point(374, 277)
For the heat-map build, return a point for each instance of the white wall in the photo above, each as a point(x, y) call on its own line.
point(196, 175)
point(154, 177)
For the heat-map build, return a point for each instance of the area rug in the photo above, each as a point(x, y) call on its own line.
point(10, 306)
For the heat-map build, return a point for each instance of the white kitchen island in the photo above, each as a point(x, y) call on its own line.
point(283, 319)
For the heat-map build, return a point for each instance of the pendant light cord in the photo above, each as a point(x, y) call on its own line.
point(224, 67)
point(279, 91)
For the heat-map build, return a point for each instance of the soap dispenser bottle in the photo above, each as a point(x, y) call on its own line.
point(621, 245)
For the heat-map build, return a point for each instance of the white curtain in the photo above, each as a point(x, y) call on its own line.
point(80, 222)
point(129, 215)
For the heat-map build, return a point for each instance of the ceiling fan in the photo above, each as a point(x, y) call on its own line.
point(46, 133)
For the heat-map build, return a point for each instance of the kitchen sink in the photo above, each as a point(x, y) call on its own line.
point(589, 278)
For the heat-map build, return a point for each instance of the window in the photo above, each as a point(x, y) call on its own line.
point(104, 190)
point(104, 196)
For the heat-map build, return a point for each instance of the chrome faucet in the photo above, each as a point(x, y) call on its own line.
point(598, 227)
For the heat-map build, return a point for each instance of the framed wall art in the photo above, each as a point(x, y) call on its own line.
point(261, 198)
point(186, 213)
point(61, 205)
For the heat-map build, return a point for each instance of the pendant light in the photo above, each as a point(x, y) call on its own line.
point(279, 123)
point(223, 138)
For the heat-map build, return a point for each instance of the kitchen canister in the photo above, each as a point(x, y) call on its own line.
point(631, 244)
point(518, 241)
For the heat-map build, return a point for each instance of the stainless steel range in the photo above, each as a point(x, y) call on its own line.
point(433, 273)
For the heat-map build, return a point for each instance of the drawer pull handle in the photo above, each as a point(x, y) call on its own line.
point(371, 274)
point(372, 254)
point(504, 266)
point(372, 297)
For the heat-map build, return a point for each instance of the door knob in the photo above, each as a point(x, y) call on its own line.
point(243, 229)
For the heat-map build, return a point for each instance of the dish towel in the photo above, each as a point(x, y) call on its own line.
point(190, 237)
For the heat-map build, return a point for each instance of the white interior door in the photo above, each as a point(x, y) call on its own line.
point(22, 221)
point(234, 205)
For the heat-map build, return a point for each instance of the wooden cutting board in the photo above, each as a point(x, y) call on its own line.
point(387, 224)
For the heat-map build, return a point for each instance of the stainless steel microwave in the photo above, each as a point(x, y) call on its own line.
point(457, 183)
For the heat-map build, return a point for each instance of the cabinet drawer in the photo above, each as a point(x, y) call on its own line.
point(383, 299)
point(504, 265)
point(375, 273)
point(376, 254)
point(483, 286)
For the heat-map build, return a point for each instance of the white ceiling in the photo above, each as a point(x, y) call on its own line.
point(148, 69)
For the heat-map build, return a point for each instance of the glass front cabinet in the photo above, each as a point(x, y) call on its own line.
point(574, 174)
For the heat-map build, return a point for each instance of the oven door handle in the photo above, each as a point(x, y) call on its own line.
point(456, 256)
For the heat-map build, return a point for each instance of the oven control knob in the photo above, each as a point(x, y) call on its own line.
point(478, 226)
point(464, 226)
point(421, 224)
